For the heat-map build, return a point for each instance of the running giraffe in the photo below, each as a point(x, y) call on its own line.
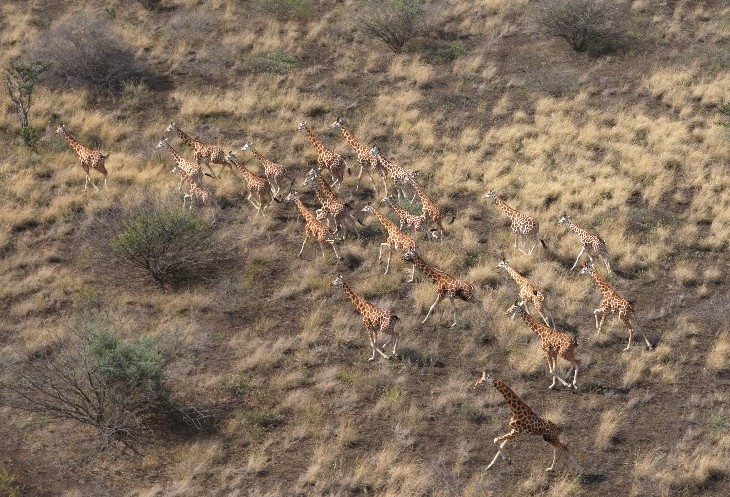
point(202, 152)
point(524, 420)
point(396, 239)
point(399, 174)
point(589, 243)
point(326, 158)
point(90, 159)
point(191, 169)
point(528, 293)
point(522, 225)
point(312, 226)
point(272, 170)
point(367, 162)
point(259, 186)
point(332, 206)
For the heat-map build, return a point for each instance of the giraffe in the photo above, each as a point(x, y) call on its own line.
point(376, 320)
point(430, 208)
point(399, 174)
point(259, 186)
point(554, 343)
point(521, 224)
point(612, 302)
point(90, 159)
point(524, 420)
point(312, 226)
point(272, 170)
point(326, 158)
point(367, 162)
point(446, 285)
point(202, 152)
point(528, 293)
point(192, 169)
point(332, 205)
point(408, 220)
point(395, 239)
point(197, 193)
point(589, 242)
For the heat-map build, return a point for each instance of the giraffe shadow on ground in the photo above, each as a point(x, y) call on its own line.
point(592, 478)
point(413, 356)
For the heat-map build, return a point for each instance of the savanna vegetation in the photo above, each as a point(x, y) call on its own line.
point(147, 350)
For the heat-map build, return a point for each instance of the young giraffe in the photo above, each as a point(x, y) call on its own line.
point(192, 169)
point(259, 186)
point(528, 293)
point(326, 158)
point(614, 303)
point(376, 320)
point(446, 285)
point(396, 239)
point(312, 226)
point(90, 159)
point(272, 170)
point(521, 224)
point(554, 343)
point(332, 205)
point(202, 152)
point(399, 174)
point(430, 208)
point(408, 220)
point(367, 162)
point(524, 420)
point(197, 193)
point(589, 243)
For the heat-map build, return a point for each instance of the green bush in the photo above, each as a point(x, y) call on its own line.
point(31, 135)
point(155, 240)
point(287, 10)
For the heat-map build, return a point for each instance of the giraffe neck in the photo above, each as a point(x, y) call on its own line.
point(575, 229)
point(512, 213)
point(516, 404)
point(519, 279)
point(184, 136)
point(435, 274)
point(603, 285)
point(263, 160)
point(315, 141)
point(172, 152)
point(387, 223)
point(303, 210)
point(539, 328)
point(354, 143)
point(73, 143)
point(356, 299)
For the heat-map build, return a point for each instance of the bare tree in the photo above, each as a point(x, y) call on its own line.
point(579, 22)
point(393, 22)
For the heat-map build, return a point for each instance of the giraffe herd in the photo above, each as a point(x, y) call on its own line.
point(326, 224)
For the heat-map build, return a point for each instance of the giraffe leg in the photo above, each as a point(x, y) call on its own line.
point(413, 273)
point(438, 299)
point(599, 324)
point(582, 249)
point(335, 250)
point(502, 441)
point(390, 253)
point(453, 304)
point(553, 365)
point(304, 242)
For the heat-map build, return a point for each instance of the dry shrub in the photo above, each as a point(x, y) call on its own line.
point(393, 22)
point(85, 52)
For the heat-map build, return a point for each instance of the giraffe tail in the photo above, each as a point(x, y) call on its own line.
point(453, 218)
point(104, 156)
point(542, 242)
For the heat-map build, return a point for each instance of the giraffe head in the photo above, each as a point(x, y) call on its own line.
point(588, 268)
point(311, 177)
point(368, 208)
point(503, 264)
point(231, 158)
point(410, 255)
point(388, 200)
point(302, 125)
point(171, 127)
point(485, 378)
point(339, 281)
point(61, 129)
point(337, 123)
point(490, 194)
point(176, 169)
point(375, 152)
point(515, 309)
point(163, 143)
point(564, 219)
point(293, 195)
point(247, 146)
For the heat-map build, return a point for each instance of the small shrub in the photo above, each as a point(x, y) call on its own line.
point(583, 24)
point(86, 52)
point(155, 240)
point(96, 378)
point(31, 135)
point(393, 22)
point(273, 62)
point(150, 4)
point(287, 10)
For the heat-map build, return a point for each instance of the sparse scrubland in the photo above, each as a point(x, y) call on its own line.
point(259, 382)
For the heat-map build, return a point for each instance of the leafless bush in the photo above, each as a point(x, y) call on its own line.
point(592, 25)
point(393, 22)
point(94, 377)
point(86, 52)
point(155, 240)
